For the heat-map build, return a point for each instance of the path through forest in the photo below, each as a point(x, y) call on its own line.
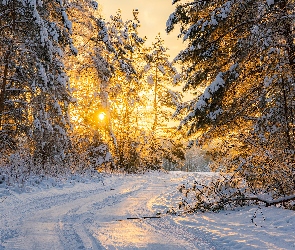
point(114, 214)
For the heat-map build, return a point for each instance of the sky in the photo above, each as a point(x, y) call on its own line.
point(153, 15)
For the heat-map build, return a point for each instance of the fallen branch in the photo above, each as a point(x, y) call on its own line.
point(151, 217)
point(140, 218)
point(267, 202)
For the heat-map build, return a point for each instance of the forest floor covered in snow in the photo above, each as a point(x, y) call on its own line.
point(129, 212)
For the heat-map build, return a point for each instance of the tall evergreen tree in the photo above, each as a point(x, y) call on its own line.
point(115, 61)
point(240, 58)
point(35, 92)
point(161, 76)
point(87, 150)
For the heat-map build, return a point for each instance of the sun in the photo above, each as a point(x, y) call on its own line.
point(101, 116)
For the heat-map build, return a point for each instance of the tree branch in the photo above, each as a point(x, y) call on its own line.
point(267, 202)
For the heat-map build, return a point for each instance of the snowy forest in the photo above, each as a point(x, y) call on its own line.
point(81, 92)
point(109, 142)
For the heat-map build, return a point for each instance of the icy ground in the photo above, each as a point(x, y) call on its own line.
point(109, 214)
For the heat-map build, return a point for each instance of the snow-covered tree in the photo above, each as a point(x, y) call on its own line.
point(88, 150)
point(240, 60)
point(112, 80)
point(119, 65)
point(161, 79)
point(162, 76)
point(35, 92)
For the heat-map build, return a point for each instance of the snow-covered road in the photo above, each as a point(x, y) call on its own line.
point(110, 214)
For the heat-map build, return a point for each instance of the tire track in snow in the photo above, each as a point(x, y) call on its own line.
point(44, 209)
point(73, 227)
point(86, 216)
point(161, 233)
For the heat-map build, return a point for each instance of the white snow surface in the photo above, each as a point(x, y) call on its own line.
point(93, 214)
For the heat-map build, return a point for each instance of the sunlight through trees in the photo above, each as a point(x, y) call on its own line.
point(81, 91)
point(84, 91)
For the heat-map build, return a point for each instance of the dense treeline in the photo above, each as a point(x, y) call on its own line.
point(79, 91)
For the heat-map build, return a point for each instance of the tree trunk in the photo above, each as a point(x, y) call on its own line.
point(3, 88)
point(287, 33)
point(155, 99)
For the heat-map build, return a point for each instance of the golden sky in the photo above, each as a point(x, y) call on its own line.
point(153, 15)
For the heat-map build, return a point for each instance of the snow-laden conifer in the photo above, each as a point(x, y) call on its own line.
point(35, 92)
point(240, 58)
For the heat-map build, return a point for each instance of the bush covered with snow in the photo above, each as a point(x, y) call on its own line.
point(19, 179)
point(229, 191)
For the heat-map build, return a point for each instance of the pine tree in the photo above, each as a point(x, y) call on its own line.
point(240, 58)
point(35, 92)
point(161, 77)
point(114, 54)
point(87, 149)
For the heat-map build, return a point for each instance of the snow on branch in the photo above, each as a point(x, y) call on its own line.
point(209, 91)
point(267, 202)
